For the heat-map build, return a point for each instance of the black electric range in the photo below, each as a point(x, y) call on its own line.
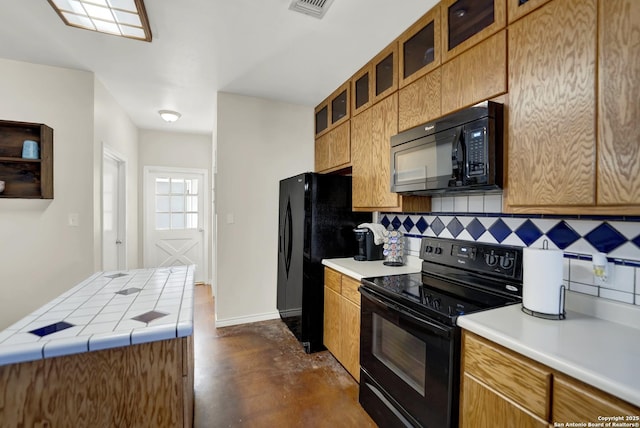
point(409, 338)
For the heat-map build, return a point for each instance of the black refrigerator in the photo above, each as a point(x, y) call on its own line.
point(316, 222)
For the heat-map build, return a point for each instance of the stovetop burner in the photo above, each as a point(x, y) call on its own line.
point(458, 277)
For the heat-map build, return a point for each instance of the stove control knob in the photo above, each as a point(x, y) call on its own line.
point(438, 250)
point(428, 249)
point(506, 261)
point(491, 259)
point(429, 299)
point(436, 303)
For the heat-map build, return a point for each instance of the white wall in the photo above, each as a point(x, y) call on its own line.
point(259, 142)
point(174, 149)
point(40, 255)
point(114, 130)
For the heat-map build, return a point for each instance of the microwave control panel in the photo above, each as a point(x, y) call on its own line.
point(476, 150)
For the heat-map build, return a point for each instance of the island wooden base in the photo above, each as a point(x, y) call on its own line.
point(146, 385)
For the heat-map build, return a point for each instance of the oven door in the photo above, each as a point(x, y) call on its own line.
point(409, 365)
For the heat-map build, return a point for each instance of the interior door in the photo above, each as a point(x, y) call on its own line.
point(175, 219)
point(113, 214)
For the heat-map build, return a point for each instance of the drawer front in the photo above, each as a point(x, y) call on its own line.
point(350, 289)
point(523, 381)
point(575, 401)
point(333, 280)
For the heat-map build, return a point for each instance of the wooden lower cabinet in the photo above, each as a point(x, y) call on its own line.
point(501, 388)
point(485, 407)
point(575, 401)
point(342, 320)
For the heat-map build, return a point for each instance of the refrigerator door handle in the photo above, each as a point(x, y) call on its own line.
point(288, 231)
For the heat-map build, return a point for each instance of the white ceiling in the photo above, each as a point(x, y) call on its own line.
point(252, 47)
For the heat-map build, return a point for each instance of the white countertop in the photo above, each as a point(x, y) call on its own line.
point(102, 311)
point(597, 351)
point(358, 270)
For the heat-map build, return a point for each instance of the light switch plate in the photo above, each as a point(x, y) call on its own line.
point(74, 220)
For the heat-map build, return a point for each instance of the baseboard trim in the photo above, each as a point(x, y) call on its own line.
point(248, 319)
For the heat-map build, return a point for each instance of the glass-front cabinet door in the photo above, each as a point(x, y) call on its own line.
point(322, 118)
point(468, 22)
point(419, 47)
point(361, 90)
point(385, 72)
point(339, 103)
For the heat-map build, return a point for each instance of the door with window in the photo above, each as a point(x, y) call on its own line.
point(175, 219)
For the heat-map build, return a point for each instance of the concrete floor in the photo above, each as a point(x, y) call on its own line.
point(257, 375)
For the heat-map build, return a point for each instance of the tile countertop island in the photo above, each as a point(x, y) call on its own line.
point(115, 350)
point(598, 342)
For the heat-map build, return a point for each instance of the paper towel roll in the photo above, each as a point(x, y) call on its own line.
point(542, 281)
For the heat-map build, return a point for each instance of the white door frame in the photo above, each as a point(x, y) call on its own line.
point(109, 153)
point(205, 221)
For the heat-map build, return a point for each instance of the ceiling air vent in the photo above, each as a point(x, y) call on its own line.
point(315, 8)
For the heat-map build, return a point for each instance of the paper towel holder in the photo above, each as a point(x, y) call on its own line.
point(562, 314)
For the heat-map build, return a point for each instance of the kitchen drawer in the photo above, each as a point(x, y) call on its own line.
point(350, 289)
point(333, 280)
point(521, 380)
point(576, 401)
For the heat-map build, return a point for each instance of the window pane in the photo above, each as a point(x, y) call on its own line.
point(162, 204)
point(177, 221)
point(192, 203)
point(162, 222)
point(162, 185)
point(192, 221)
point(177, 186)
point(192, 187)
point(177, 204)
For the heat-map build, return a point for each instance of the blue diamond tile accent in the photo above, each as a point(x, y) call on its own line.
point(528, 232)
point(437, 226)
point(396, 223)
point(605, 238)
point(422, 225)
point(455, 227)
point(562, 235)
point(408, 224)
point(500, 230)
point(385, 221)
point(476, 229)
point(636, 241)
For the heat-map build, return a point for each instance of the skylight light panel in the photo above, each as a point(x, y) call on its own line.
point(126, 18)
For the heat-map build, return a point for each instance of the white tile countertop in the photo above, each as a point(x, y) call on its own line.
point(600, 350)
point(358, 270)
point(107, 310)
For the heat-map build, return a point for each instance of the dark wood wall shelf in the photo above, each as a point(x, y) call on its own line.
point(26, 178)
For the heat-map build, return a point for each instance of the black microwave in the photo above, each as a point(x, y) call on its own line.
point(460, 152)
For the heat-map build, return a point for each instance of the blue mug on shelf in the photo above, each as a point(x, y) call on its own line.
point(30, 150)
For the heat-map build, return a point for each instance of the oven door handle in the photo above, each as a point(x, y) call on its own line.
point(439, 330)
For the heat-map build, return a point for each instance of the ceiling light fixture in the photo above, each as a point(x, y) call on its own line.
point(169, 115)
point(125, 18)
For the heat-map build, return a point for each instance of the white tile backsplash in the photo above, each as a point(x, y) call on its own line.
point(476, 204)
point(461, 204)
point(447, 204)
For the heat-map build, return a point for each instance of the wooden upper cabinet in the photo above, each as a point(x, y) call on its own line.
point(419, 47)
point(333, 149)
point(475, 75)
point(552, 108)
point(419, 102)
point(516, 9)
point(465, 23)
point(322, 118)
point(385, 72)
point(362, 90)
point(619, 103)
